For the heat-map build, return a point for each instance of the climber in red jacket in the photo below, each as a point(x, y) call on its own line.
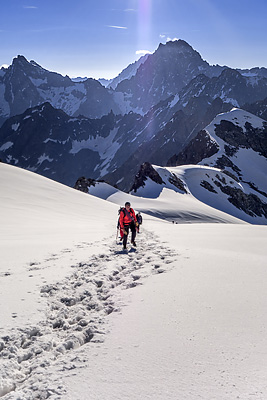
point(128, 221)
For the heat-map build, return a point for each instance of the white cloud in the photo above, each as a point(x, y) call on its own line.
point(4, 66)
point(30, 7)
point(162, 36)
point(117, 27)
point(171, 39)
point(143, 52)
point(130, 10)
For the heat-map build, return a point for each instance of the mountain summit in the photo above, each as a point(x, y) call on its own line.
point(165, 72)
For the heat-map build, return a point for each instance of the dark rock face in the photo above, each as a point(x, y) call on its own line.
point(166, 72)
point(249, 203)
point(159, 139)
point(146, 171)
point(235, 87)
point(177, 182)
point(128, 72)
point(44, 140)
point(83, 184)
point(234, 135)
point(256, 189)
point(224, 162)
point(230, 86)
point(199, 148)
point(207, 186)
point(53, 144)
point(258, 108)
point(202, 146)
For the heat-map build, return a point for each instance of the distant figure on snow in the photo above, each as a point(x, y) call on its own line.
point(139, 219)
point(128, 221)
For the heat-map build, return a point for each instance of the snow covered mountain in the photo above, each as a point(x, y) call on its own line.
point(51, 143)
point(48, 141)
point(211, 186)
point(127, 73)
point(224, 167)
point(79, 135)
point(174, 69)
point(160, 140)
point(26, 84)
point(177, 69)
point(192, 193)
point(163, 195)
point(235, 142)
point(230, 86)
point(164, 73)
point(64, 148)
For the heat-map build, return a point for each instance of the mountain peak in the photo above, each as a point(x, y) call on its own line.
point(176, 45)
point(20, 60)
point(230, 72)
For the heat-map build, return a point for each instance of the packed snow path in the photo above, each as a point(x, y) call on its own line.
point(77, 308)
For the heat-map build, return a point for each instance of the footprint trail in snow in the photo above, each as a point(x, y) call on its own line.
point(76, 311)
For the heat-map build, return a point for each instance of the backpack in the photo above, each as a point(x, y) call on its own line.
point(119, 212)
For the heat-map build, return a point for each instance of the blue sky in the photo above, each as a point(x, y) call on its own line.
point(99, 38)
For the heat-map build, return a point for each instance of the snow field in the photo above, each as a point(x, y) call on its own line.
point(80, 319)
point(196, 332)
point(75, 315)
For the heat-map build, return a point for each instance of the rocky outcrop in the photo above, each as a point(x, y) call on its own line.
point(83, 184)
point(249, 203)
point(256, 189)
point(231, 136)
point(208, 186)
point(236, 137)
point(146, 171)
point(177, 182)
point(202, 146)
point(224, 162)
point(258, 108)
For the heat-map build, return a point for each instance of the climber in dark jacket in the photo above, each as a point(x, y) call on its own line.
point(139, 219)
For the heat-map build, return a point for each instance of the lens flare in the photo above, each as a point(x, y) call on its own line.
point(144, 41)
point(144, 21)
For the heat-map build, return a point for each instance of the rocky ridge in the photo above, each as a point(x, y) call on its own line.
point(224, 145)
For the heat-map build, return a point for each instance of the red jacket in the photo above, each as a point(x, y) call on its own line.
point(125, 219)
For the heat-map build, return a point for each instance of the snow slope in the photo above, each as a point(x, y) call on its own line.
point(167, 202)
point(182, 317)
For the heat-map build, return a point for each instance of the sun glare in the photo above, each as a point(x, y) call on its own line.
point(144, 21)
